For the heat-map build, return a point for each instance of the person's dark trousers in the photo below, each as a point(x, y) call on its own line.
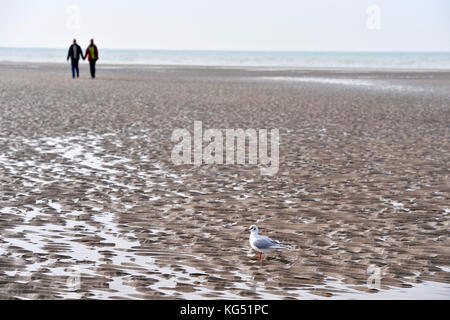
point(92, 65)
point(75, 68)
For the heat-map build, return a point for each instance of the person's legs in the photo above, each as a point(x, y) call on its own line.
point(73, 67)
point(76, 68)
point(92, 65)
point(90, 68)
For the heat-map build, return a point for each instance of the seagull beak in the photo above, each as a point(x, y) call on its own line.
point(246, 229)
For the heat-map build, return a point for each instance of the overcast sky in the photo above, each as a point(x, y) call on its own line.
point(297, 25)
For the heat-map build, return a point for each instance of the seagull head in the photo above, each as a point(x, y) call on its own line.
point(252, 229)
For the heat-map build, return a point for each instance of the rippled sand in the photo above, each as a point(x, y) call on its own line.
point(89, 192)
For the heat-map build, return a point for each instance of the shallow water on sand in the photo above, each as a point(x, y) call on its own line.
point(91, 205)
point(82, 241)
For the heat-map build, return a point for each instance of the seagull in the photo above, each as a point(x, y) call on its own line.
point(263, 244)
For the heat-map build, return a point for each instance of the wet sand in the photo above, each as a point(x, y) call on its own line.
point(89, 192)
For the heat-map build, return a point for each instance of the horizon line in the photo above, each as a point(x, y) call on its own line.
point(242, 50)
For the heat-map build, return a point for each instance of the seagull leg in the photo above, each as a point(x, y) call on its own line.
point(260, 255)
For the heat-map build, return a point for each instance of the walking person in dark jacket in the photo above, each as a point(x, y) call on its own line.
point(92, 54)
point(74, 54)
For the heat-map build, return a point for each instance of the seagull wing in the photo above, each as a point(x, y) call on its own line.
point(266, 243)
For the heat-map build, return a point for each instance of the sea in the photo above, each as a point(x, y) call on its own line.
point(377, 60)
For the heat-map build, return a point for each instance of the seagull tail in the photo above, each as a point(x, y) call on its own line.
point(284, 246)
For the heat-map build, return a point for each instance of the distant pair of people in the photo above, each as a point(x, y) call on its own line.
point(75, 53)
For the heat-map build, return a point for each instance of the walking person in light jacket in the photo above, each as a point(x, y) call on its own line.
point(92, 55)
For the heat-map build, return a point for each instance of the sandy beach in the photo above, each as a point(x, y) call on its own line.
point(91, 205)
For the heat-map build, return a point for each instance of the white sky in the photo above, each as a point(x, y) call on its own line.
point(317, 25)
